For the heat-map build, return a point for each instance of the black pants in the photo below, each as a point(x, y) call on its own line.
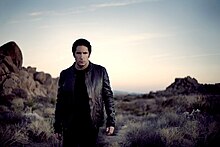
point(80, 136)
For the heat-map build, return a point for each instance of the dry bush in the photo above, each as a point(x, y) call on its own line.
point(43, 100)
point(17, 104)
point(185, 136)
point(170, 119)
point(180, 103)
point(29, 103)
point(10, 117)
point(175, 127)
point(209, 104)
point(13, 135)
point(4, 108)
point(141, 135)
point(205, 103)
point(135, 107)
point(129, 97)
point(191, 130)
point(122, 120)
point(48, 112)
point(40, 131)
point(212, 136)
point(172, 136)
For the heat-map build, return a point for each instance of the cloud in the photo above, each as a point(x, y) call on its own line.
point(119, 3)
point(35, 19)
point(35, 13)
point(91, 7)
point(116, 4)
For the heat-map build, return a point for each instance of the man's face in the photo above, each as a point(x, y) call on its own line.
point(81, 56)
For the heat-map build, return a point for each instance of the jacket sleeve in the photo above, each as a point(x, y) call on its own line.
point(59, 106)
point(108, 100)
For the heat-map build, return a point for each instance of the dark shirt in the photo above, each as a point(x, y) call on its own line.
point(81, 100)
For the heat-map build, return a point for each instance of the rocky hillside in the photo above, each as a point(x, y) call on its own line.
point(188, 86)
point(22, 83)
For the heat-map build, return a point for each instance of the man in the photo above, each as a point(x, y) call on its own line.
point(84, 90)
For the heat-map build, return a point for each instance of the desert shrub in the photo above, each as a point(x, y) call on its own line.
point(174, 137)
point(181, 103)
point(143, 134)
point(181, 136)
point(190, 131)
point(210, 135)
point(48, 112)
point(40, 131)
point(209, 104)
point(129, 97)
point(30, 102)
point(107, 141)
point(17, 104)
point(170, 119)
point(135, 107)
point(41, 99)
point(13, 135)
point(121, 120)
point(11, 117)
point(4, 108)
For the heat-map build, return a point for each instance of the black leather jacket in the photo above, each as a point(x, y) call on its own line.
point(99, 92)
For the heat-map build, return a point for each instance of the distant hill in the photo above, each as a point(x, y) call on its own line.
point(118, 92)
point(187, 86)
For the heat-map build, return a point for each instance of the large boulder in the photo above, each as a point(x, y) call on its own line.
point(10, 59)
point(12, 50)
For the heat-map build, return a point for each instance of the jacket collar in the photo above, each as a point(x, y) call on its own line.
point(88, 69)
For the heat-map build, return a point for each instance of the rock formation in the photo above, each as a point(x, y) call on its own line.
point(17, 82)
point(187, 86)
point(10, 58)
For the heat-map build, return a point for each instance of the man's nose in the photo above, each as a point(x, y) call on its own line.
point(81, 55)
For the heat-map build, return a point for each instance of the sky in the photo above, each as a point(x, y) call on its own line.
point(143, 44)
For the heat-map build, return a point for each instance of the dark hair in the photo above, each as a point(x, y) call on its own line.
point(80, 42)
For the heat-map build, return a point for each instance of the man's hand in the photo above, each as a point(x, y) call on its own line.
point(110, 130)
point(58, 136)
